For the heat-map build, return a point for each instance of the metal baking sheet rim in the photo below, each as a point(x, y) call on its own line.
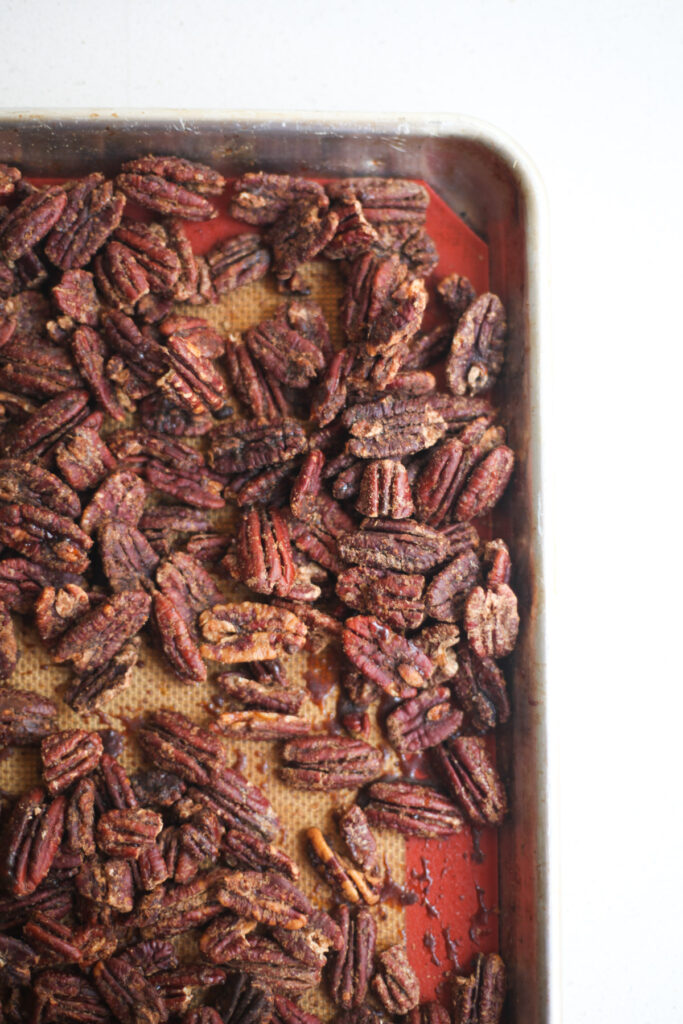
point(533, 947)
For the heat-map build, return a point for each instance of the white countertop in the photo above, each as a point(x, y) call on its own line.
point(592, 90)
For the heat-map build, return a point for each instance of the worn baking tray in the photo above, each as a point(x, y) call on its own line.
point(491, 185)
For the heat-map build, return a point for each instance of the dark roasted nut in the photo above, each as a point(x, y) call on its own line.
point(31, 220)
point(54, 941)
point(260, 725)
point(192, 383)
point(427, 348)
point(272, 968)
point(261, 397)
point(9, 653)
point(128, 560)
point(412, 244)
point(429, 1013)
point(68, 756)
point(396, 664)
point(30, 842)
point(446, 594)
point(286, 354)
point(244, 849)
point(158, 788)
point(395, 982)
point(178, 987)
point(477, 351)
point(317, 536)
point(130, 997)
point(170, 910)
point(164, 525)
point(75, 297)
point(457, 294)
point(237, 261)
point(80, 819)
point(177, 640)
point(486, 484)
point(264, 553)
point(117, 790)
point(25, 717)
point(181, 578)
point(265, 897)
point(120, 279)
point(62, 997)
point(225, 938)
point(149, 245)
point(121, 497)
point(471, 776)
point(351, 967)
point(384, 199)
point(424, 721)
point(260, 198)
point(199, 841)
point(55, 901)
point(92, 211)
point(17, 960)
point(101, 684)
point(385, 491)
point(440, 643)
point(322, 629)
point(103, 631)
point(389, 336)
point(89, 353)
point(265, 487)
point(237, 803)
point(260, 694)
point(412, 809)
point(478, 998)
point(202, 1015)
point(152, 955)
point(346, 881)
point(480, 690)
point(249, 632)
point(492, 621)
point(21, 582)
point(253, 444)
point(175, 744)
point(240, 1002)
point(395, 597)
point(300, 233)
point(23, 483)
point(45, 537)
point(437, 485)
point(392, 427)
point(46, 425)
point(145, 356)
point(82, 457)
point(310, 944)
point(32, 366)
point(171, 185)
point(9, 176)
point(355, 831)
point(123, 833)
point(329, 762)
point(369, 287)
point(403, 545)
point(354, 235)
point(330, 396)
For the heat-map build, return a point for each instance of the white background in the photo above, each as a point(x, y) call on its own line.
point(592, 89)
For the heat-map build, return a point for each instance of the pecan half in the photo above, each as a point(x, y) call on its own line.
point(392, 427)
point(403, 545)
point(75, 297)
point(237, 803)
point(260, 198)
point(396, 664)
point(244, 849)
point(17, 961)
point(261, 396)
point(253, 444)
point(480, 690)
point(457, 294)
point(263, 694)
point(330, 396)
point(121, 497)
point(62, 996)
point(80, 819)
point(82, 457)
point(92, 211)
point(478, 998)
point(102, 683)
point(128, 560)
point(478, 347)
point(241, 1002)
point(385, 491)
point(178, 640)
point(351, 967)
point(329, 762)
point(46, 425)
point(447, 593)
point(9, 176)
point(24, 483)
point(237, 261)
point(44, 537)
point(25, 717)
point(470, 774)
point(68, 756)
point(32, 366)
point(30, 842)
point(171, 910)
point(273, 968)
point(265, 897)
point(103, 631)
point(395, 982)
point(384, 199)
point(486, 484)
point(260, 725)
point(31, 220)
point(9, 652)
point(264, 553)
point(300, 233)
point(412, 809)
point(424, 721)
point(249, 632)
point(492, 620)
point(286, 354)
point(395, 597)
point(122, 833)
point(128, 994)
point(171, 185)
point(174, 743)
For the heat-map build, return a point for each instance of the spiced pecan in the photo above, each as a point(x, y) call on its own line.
point(103, 631)
point(25, 717)
point(54, 941)
point(243, 849)
point(412, 809)
point(202, 1015)
point(62, 996)
point(92, 211)
point(263, 896)
point(225, 938)
point(237, 803)
point(385, 491)
point(44, 537)
point(447, 593)
point(288, 1012)
point(121, 497)
point(415, 248)
point(261, 396)
point(486, 484)
point(354, 235)
point(480, 690)
point(345, 880)
point(174, 743)
point(429, 1013)
point(30, 842)
point(263, 693)
point(178, 987)
point(323, 629)
point(98, 685)
point(300, 233)
point(395, 597)
point(75, 297)
point(157, 788)
point(437, 485)
point(171, 185)
point(426, 348)
point(68, 756)
point(440, 643)
point(457, 294)
point(152, 955)
point(149, 245)
point(9, 652)
point(9, 176)
point(145, 356)
point(31, 220)
point(404, 546)
point(396, 664)
point(395, 982)
point(472, 778)
point(311, 943)
point(80, 818)
point(264, 487)
point(122, 833)
point(241, 1002)
point(178, 640)
point(120, 279)
point(384, 199)
point(286, 354)
point(491, 620)
point(89, 353)
point(249, 632)
point(128, 994)
point(17, 960)
point(193, 382)
point(370, 284)
point(264, 554)
point(423, 721)
point(24, 483)
point(329, 762)
point(33, 366)
point(477, 350)
point(273, 968)
point(253, 444)
point(260, 725)
point(171, 910)
point(236, 261)
point(392, 427)
point(351, 967)
point(260, 198)
point(330, 396)
point(82, 457)
point(478, 998)
point(127, 558)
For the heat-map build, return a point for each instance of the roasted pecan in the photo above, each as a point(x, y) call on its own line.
point(486, 484)
point(249, 632)
point(261, 396)
point(288, 1012)
point(146, 357)
point(404, 545)
point(9, 176)
point(44, 537)
point(424, 721)
point(80, 819)
point(395, 982)
point(31, 220)
point(89, 352)
point(369, 287)
point(260, 198)
point(171, 185)
point(120, 279)
point(193, 382)
point(158, 788)
point(25, 717)
point(31, 839)
point(82, 457)
point(121, 497)
point(260, 725)
point(263, 693)
point(384, 199)
point(123, 833)
point(237, 261)
point(457, 293)
point(103, 631)
point(75, 297)
point(429, 1013)
point(225, 938)
point(300, 233)
point(396, 664)
point(330, 396)
point(164, 525)
point(351, 967)
point(54, 941)
point(329, 762)
point(202, 1015)
point(32, 366)
point(24, 483)
point(285, 354)
point(199, 840)
point(152, 955)
point(240, 1002)
point(55, 901)
point(9, 652)
point(385, 491)
point(412, 244)
point(412, 809)
point(480, 690)
point(243, 849)
point(181, 578)
point(354, 235)
point(478, 998)
point(264, 553)
point(345, 880)
point(427, 348)
point(128, 560)
point(68, 756)
point(472, 778)
point(178, 640)
point(62, 997)
point(477, 350)
point(175, 744)
point(273, 968)
point(440, 643)
point(178, 987)
point(266, 897)
point(237, 803)
point(395, 597)
point(491, 620)
point(106, 681)
point(116, 789)
point(149, 245)
point(438, 484)
point(92, 211)
point(264, 487)
point(446, 594)
point(17, 960)
point(392, 427)
point(310, 944)
point(130, 997)
point(253, 444)
point(323, 629)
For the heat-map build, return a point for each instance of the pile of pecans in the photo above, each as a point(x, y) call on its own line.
point(356, 482)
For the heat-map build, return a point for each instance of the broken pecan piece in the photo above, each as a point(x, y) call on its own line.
point(412, 809)
point(260, 725)
point(403, 545)
point(62, 996)
point(101, 684)
point(478, 346)
point(249, 632)
point(300, 233)
point(471, 776)
point(351, 967)
point(395, 982)
point(80, 819)
point(82, 457)
point(478, 998)
point(266, 897)
point(346, 881)
point(396, 664)
point(329, 762)
point(423, 721)
point(68, 756)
